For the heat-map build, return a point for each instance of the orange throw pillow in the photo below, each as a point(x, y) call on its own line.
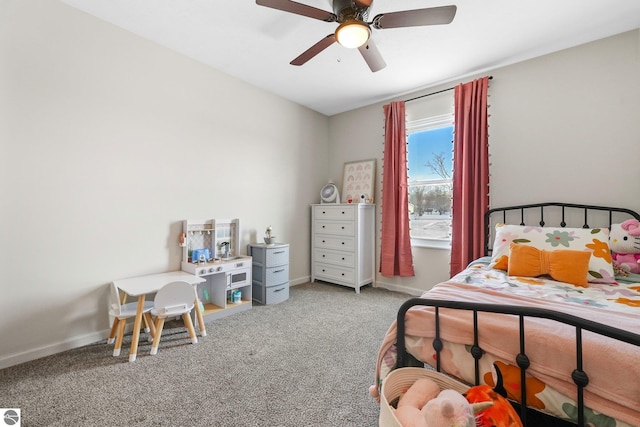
point(562, 265)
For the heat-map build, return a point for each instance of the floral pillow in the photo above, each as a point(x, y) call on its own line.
point(595, 240)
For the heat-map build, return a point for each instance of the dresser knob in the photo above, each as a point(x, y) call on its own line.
point(343, 243)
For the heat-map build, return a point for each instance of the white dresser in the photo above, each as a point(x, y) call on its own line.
point(270, 272)
point(342, 244)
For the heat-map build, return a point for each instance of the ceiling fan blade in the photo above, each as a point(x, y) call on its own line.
point(415, 18)
point(314, 50)
point(299, 9)
point(372, 56)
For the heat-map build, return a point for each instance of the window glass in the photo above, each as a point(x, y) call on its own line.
point(429, 160)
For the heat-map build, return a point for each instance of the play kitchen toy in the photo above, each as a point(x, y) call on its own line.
point(210, 249)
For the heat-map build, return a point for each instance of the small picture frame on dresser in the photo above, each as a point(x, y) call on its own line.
point(358, 181)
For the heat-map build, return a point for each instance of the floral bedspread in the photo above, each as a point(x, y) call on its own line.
point(623, 296)
point(618, 301)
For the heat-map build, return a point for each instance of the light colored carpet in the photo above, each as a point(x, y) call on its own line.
point(308, 361)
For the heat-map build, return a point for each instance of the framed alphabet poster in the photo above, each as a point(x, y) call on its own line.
point(358, 181)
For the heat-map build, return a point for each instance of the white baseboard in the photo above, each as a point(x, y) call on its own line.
point(378, 284)
point(37, 353)
point(299, 280)
point(399, 288)
point(79, 341)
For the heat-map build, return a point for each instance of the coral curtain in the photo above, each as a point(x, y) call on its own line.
point(470, 173)
point(395, 246)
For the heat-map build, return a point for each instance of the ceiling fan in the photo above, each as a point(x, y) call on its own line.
point(354, 31)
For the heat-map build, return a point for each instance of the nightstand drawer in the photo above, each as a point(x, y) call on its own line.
point(276, 294)
point(277, 256)
point(276, 275)
point(272, 294)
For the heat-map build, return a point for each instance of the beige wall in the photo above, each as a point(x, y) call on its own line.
point(107, 142)
point(563, 127)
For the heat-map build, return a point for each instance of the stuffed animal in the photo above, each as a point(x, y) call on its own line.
point(501, 413)
point(425, 405)
point(451, 409)
point(411, 403)
point(624, 242)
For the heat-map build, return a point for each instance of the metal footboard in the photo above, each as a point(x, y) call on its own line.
point(579, 376)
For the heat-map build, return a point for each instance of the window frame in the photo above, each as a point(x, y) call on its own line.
point(421, 125)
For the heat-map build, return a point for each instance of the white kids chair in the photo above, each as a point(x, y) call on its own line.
point(122, 311)
point(173, 299)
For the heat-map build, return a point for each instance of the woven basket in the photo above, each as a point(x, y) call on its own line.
point(400, 380)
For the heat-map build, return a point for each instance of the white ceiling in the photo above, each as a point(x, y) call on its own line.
point(256, 44)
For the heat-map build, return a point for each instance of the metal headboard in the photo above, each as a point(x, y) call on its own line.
point(557, 214)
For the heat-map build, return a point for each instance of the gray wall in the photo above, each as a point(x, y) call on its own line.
point(107, 142)
point(562, 127)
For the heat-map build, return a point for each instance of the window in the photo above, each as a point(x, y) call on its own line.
point(429, 158)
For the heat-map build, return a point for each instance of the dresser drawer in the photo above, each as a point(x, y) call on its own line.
point(276, 275)
point(276, 294)
point(324, 241)
point(344, 259)
point(334, 212)
point(270, 256)
point(272, 294)
point(277, 256)
point(343, 228)
point(333, 272)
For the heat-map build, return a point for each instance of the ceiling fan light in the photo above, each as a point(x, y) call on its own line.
point(352, 34)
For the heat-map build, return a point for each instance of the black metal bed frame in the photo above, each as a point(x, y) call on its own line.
point(579, 376)
point(556, 207)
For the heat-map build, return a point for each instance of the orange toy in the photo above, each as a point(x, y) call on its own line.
point(501, 413)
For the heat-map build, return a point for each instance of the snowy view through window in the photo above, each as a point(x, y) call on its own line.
point(430, 186)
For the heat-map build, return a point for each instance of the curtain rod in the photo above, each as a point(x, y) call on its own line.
point(435, 93)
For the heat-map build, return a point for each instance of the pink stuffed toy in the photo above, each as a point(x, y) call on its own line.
point(425, 405)
point(624, 242)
